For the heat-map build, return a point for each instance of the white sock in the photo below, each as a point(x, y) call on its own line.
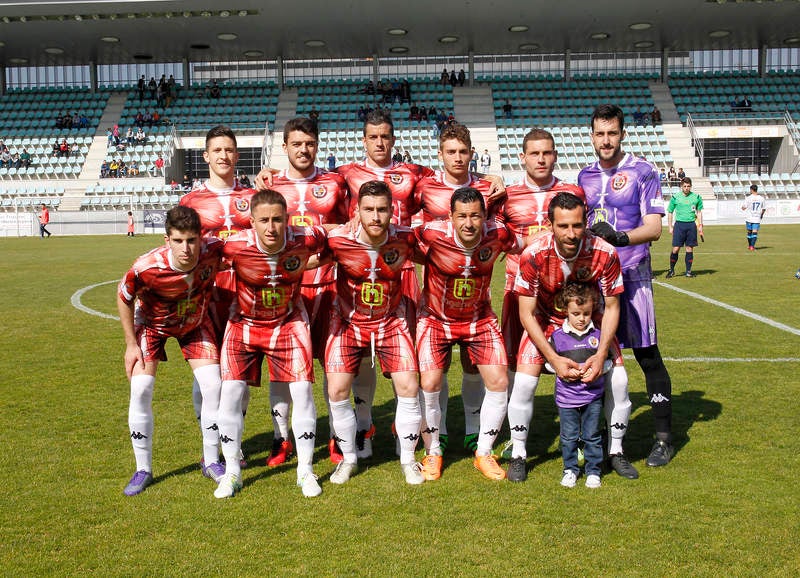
point(472, 391)
point(364, 386)
point(245, 401)
point(140, 420)
point(444, 398)
point(197, 400)
point(210, 385)
point(617, 407)
point(344, 422)
point(493, 412)
point(433, 417)
point(406, 422)
point(279, 395)
point(304, 423)
point(520, 411)
point(231, 423)
point(331, 429)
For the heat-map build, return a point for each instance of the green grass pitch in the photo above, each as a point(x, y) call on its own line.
point(727, 504)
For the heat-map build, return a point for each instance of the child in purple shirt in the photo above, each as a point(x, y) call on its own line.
point(579, 403)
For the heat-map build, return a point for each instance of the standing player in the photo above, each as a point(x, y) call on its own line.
point(270, 318)
point(623, 193)
point(754, 207)
point(44, 219)
point(224, 209)
point(166, 294)
point(565, 253)
point(370, 320)
point(313, 197)
point(456, 308)
point(688, 208)
point(433, 195)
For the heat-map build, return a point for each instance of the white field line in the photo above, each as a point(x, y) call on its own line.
point(76, 301)
point(739, 310)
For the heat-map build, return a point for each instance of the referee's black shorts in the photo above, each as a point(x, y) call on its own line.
point(684, 233)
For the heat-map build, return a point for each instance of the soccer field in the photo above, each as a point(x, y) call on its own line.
point(727, 504)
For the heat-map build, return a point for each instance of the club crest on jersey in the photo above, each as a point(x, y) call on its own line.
point(391, 256)
point(396, 178)
point(242, 205)
point(205, 274)
point(619, 181)
point(583, 274)
point(593, 342)
point(318, 191)
point(292, 263)
point(485, 254)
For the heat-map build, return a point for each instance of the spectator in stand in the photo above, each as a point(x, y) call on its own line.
point(133, 169)
point(244, 181)
point(56, 151)
point(5, 158)
point(453, 77)
point(172, 91)
point(423, 114)
point(140, 137)
point(140, 86)
point(746, 104)
point(129, 135)
point(152, 87)
point(314, 115)
point(655, 116)
point(445, 78)
point(362, 114)
point(214, 91)
point(158, 166)
point(486, 161)
point(473, 160)
point(139, 120)
point(84, 121)
point(672, 176)
point(413, 112)
point(407, 157)
point(113, 168)
point(156, 118)
point(432, 113)
point(63, 149)
point(122, 171)
point(25, 158)
point(405, 91)
point(115, 133)
point(186, 185)
point(662, 176)
point(397, 157)
point(75, 148)
point(508, 109)
point(462, 77)
point(681, 174)
point(638, 116)
point(15, 160)
point(331, 161)
point(105, 170)
point(147, 118)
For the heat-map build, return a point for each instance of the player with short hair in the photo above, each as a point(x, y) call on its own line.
point(166, 294)
point(224, 209)
point(370, 321)
point(456, 308)
point(623, 193)
point(565, 253)
point(313, 196)
point(433, 196)
point(688, 209)
point(270, 318)
point(754, 207)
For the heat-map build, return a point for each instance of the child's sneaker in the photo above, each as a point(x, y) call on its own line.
point(569, 479)
point(593, 481)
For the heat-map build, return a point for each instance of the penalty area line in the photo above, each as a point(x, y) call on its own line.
point(739, 310)
point(75, 300)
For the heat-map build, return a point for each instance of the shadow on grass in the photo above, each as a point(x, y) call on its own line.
point(660, 274)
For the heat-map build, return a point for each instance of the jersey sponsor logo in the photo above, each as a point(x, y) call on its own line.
point(485, 254)
point(301, 221)
point(600, 215)
point(242, 205)
point(225, 233)
point(292, 263)
point(395, 178)
point(619, 181)
point(533, 229)
point(583, 274)
point(319, 191)
point(391, 256)
point(372, 294)
point(272, 296)
point(593, 342)
point(463, 288)
point(185, 307)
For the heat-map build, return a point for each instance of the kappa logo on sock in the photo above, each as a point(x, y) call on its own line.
point(213, 427)
point(276, 413)
point(659, 398)
point(430, 430)
point(412, 437)
point(337, 439)
point(519, 428)
point(358, 400)
point(307, 435)
point(619, 426)
point(492, 432)
point(225, 439)
point(137, 435)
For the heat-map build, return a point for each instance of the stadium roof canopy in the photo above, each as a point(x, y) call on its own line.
point(60, 32)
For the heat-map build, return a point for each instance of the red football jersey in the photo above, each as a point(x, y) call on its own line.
point(543, 273)
point(321, 198)
point(525, 213)
point(402, 178)
point(368, 284)
point(433, 195)
point(171, 302)
point(222, 212)
point(457, 279)
point(268, 285)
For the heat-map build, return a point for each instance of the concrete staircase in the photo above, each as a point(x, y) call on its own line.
point(287, 110)
point(472, 106)
point(679, 139)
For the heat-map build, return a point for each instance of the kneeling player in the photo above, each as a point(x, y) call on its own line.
point(370, 317)
point(166, 294)
point(269, 262)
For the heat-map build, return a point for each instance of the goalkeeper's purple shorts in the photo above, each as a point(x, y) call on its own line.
point(637, 320)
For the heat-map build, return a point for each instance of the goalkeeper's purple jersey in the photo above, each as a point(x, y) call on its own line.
point(622, 196)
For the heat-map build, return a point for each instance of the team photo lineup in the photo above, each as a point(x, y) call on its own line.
point(323, 264)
